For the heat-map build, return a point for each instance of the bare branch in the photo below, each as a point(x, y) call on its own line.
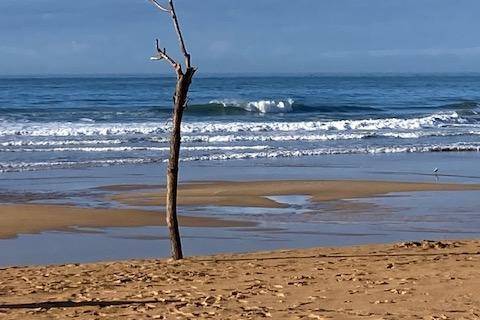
point(181, 42)
point(159, 6)
point(162, 55)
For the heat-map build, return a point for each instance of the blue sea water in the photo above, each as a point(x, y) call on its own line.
point(70, 122)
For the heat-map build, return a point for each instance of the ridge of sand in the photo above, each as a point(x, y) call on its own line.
point(253, 193)
point(31, 219)
point(428, 280)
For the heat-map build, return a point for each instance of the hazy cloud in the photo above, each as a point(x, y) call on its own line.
point(116, 36)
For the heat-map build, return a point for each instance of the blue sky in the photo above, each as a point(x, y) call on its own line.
point(224, 36)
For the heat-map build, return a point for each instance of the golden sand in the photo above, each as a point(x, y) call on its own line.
point(429, 280)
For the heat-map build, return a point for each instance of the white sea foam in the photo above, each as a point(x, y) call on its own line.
point(130, 148)
point(87, 120)
point(229, 138)
point(285, 137)
point(55, 129)
point(422, 134)
point(61, 129)
point(31, 166)
point(333, 151)
point(144, 142)
point(48, 143)
point(456, 147)
point(405, 135)
point(433, 121)
point(271, 138)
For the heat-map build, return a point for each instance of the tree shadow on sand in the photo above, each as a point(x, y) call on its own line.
point(73, 304)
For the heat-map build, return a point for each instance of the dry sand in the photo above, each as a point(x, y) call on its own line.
point(253, 193)
point(30, 219)
point(429, 280)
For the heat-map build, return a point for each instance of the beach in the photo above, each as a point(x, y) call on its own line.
point(210, 169)
point(83, 245)
point(312, 204)
point(426, 279)
point(340, 279)
point(413, 280)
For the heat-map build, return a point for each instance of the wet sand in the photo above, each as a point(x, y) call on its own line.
point(429, 280)
point(32, 219)
point(254, 193)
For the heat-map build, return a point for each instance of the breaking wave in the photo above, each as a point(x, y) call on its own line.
point(87, 143)
point(62, 129)
point(261, 106)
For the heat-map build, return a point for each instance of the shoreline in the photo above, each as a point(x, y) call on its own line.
point(426, 280)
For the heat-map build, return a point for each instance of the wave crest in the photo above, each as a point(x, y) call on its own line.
point(260, 106)
point(57, 129)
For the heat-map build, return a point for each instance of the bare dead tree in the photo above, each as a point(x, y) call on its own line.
point(180, 99)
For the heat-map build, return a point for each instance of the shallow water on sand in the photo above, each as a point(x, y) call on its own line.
point(401, 217)
point(396, 217)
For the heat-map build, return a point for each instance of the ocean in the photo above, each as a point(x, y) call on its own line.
point(76, 122)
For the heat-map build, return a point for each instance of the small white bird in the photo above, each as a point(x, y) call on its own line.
point(435, 170)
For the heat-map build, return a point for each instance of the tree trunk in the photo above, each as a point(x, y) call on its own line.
point(180, 101)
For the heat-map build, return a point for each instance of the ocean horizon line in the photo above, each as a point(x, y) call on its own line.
point(239, 74)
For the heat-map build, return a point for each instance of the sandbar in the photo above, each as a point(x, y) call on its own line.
point(32, 219)
point(254, 193)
